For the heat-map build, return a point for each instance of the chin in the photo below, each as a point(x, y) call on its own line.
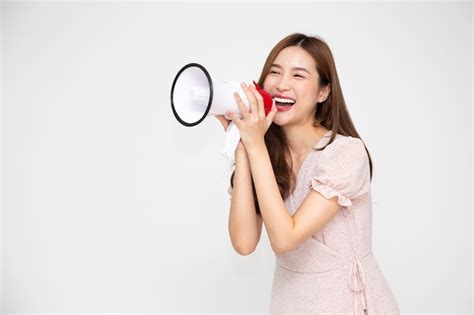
point(279, 121)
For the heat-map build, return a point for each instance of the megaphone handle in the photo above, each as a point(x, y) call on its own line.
point(232, 139)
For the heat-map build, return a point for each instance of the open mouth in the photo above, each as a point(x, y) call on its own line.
point(283, 103)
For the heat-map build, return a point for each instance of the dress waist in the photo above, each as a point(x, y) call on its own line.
point(355, 278)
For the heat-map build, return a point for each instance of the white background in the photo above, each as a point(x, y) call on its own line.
point(109, 205)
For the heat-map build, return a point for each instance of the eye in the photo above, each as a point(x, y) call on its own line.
point(273, 72)
point(297, 75)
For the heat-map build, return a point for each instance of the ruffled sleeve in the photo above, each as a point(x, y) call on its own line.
point(343, 171)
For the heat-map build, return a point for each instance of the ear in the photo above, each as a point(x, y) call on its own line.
point(324, 93)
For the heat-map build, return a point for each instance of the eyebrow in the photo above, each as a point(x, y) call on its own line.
point(295, 68)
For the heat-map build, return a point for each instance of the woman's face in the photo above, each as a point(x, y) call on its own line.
point(293, 75)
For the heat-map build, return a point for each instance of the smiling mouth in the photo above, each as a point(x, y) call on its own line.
point(278, 104)
point(283, 107)
point(283, 103)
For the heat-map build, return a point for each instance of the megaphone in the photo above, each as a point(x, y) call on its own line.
point(194, 96)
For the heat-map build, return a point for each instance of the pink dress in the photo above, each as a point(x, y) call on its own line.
point(334, 271)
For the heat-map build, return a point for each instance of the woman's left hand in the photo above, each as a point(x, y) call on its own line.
point(255, 123)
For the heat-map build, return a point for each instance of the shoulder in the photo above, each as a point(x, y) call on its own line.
point(343, 169)
point(343, 156)
point(343, 145)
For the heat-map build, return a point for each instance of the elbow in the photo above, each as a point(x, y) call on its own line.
point(244, 250)
point(280, 248)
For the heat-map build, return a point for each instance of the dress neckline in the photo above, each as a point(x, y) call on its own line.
point(327, 134)
point(306, 158)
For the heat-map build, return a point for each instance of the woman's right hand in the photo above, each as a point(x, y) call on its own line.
point(225, 123)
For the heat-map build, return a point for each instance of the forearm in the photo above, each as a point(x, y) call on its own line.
point(278, 222)
point(242, 217)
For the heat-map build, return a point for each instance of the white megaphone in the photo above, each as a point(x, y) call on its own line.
point(194, 96)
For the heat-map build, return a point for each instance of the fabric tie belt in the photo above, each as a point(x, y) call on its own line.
point(356, 282)
point(355, 279)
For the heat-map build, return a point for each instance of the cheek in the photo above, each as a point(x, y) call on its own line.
point(267, 83)
point(309, 92)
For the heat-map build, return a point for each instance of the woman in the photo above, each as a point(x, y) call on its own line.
point(304, 171)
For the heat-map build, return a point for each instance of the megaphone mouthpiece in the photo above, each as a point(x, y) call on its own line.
point(267, 98)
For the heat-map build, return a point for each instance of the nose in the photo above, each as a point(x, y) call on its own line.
point(282, 84)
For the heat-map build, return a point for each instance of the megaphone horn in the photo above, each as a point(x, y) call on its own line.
point(194, 96)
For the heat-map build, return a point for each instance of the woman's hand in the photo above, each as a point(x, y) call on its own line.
point(225, 123)
point(254, 124)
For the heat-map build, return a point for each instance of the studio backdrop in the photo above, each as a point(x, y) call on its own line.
point(109, 204)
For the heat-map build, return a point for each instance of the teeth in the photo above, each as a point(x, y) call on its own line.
point(284, 100)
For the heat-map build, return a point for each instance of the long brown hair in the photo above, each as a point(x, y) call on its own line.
point(331, 113)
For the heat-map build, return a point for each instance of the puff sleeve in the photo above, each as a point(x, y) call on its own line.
point(343, 171)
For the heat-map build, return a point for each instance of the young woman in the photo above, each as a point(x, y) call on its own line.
point(304, 171)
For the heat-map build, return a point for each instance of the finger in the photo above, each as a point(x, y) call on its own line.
point(235, 119)
point(271, 114)
point(251, 98)
point(222, 118)
point(260, 105)
point(224, 122)
point(243, 109)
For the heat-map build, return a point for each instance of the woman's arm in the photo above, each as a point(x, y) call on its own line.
point(245, 225)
